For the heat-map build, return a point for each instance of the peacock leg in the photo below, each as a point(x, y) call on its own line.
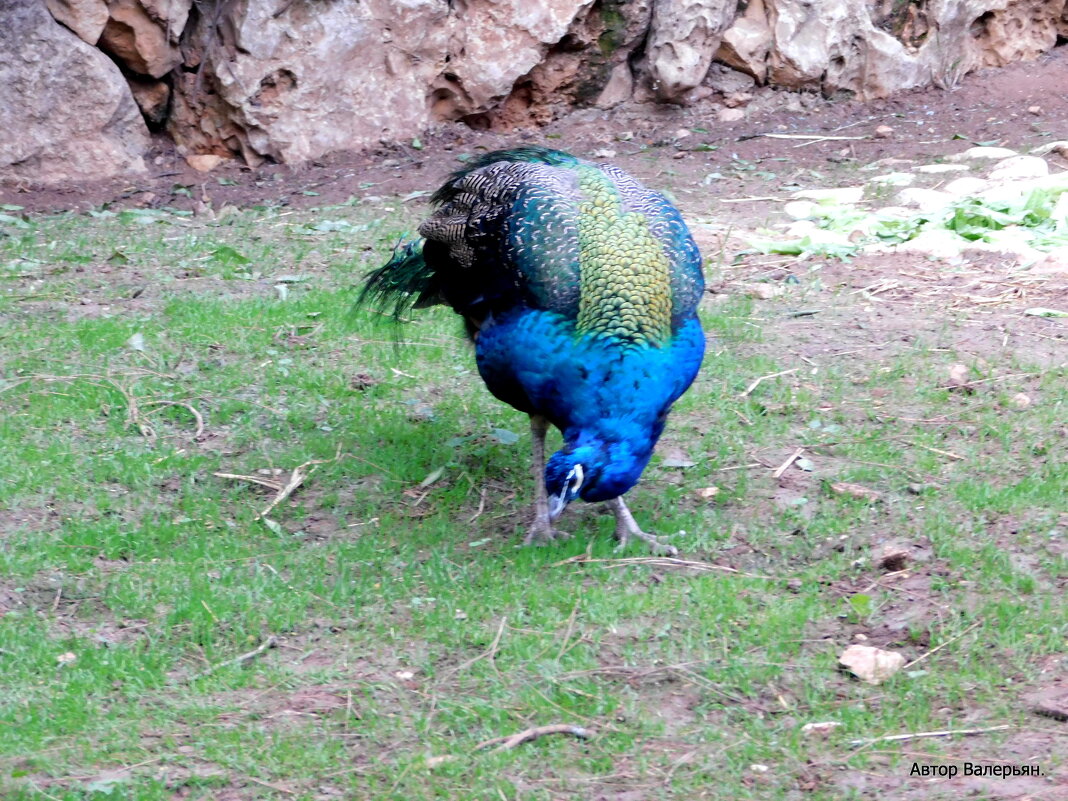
point(541, 530)
point(627, 527)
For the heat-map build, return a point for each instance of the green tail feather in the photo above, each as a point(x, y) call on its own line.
point(403, 283)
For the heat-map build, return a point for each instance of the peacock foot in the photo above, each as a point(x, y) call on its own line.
point(541, 532)
point(627, 528)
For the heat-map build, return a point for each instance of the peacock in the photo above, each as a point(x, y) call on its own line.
point(579, 288)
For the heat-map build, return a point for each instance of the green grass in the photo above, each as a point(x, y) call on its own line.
point(409, 625)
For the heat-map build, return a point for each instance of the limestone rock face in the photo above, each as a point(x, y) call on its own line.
point(495, 42)
point(1022, 30)
point(143, 34)
point(836, 45)
point(85, 17)
point(745, 44)
point(290, 80)
point(319, 77)
point(331, 76)
point(65, 109)
point(683, 38)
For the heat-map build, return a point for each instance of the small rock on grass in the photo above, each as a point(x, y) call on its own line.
point(1020, 401)
point(958, 376)
point(821, 729)
point(892, 556)
point(858, 491)
point(869, 664)
point(1050, 703)
point(762, 291)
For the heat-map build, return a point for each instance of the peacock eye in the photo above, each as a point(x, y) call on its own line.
point(574, 479)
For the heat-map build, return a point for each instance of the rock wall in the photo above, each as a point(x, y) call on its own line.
point(66, 111)
point(290, 80)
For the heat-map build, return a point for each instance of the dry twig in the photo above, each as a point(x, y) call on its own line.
point(489, 653)
point(525, 736)
point(658, 561)
point(757, 381)
point(943, 645)
point(263, 647)
point(197, 416)
point(793, 457)
point(893, 738)
point(297, 477)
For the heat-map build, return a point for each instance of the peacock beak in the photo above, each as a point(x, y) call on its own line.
point(557, 504)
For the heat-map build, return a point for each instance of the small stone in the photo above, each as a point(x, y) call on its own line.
point(871, 665)
point(1051, 703)
point(937, 168)
point(204, 162)
point(928, 200)
point(844, 195)
point(892, 557)
point(1019, 167)
point(67, 658)
point(1020, 400)
point(894, 179)
point(991, 153)
point(821, 729)
point(968, 185)
point(730, 115)
point(858, 491)
point(1034, 109)
point(735, 99)
point(883, 132)
point(958, 376)
point(762, 291)
point(707, 493)
point(757, 768)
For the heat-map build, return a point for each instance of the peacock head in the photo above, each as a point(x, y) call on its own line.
point(566, 474)
point(594, 471)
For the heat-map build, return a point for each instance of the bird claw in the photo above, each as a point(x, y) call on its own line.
point(627, 527)
point(657, 547)
point(542, 533)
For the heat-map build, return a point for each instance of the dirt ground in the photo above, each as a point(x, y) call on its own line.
point(720, 172)
point(1021, 107)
